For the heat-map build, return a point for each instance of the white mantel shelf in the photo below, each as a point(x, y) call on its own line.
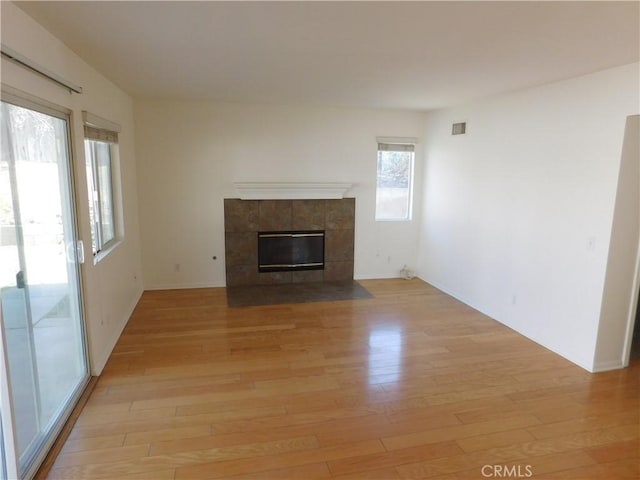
point(290, 191)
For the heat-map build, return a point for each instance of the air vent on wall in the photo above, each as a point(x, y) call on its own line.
point(459, 128)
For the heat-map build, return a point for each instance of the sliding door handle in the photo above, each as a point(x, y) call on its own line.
point(20, 283)
point(75, 252)
point(80, 251)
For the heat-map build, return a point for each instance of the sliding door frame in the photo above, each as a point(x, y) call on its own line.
point(25, 100)
point(9, 438)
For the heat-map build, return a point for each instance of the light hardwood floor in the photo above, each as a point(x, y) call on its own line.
point(410, 384)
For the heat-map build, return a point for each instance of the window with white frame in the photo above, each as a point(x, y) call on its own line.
point(101, 149)
point(394, 180)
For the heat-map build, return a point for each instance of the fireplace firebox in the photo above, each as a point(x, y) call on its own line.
point(281, 251)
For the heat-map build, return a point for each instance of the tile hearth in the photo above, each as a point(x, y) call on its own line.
point(254, 295)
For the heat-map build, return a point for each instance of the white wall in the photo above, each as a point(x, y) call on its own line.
point(189, 154)
point(110, 290)
point(517, 213)
point(619, 298)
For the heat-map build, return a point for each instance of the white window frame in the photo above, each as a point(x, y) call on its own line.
point(101, 131)
point(406, 144)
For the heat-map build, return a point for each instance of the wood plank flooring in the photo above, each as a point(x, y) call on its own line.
point(411, 384)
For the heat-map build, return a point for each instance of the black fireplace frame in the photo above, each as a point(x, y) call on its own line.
point(291, 250)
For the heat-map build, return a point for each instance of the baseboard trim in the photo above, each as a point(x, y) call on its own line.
point(460, 299)
point(375, 277)
point(183, 286)
point(607, 366)
point(186, 286)
point(97, 365)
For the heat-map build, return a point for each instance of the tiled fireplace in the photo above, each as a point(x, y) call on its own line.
point(243, 220)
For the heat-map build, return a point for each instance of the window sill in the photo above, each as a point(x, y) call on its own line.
point(102, 254)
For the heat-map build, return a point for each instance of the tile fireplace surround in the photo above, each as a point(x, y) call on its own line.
point(243, 219)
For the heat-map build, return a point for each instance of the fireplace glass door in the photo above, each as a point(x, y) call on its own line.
point(290, 251)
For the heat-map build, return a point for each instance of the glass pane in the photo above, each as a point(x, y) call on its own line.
point(393, 192)
point(99, 183)
point(106, 194)
point(39, 287)
point(92, 190)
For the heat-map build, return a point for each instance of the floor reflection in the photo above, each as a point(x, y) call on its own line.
point(385, 354)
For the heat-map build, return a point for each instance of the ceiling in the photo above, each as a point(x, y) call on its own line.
point(401, 55)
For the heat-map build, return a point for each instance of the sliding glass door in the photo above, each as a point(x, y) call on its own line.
point(42, 327)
